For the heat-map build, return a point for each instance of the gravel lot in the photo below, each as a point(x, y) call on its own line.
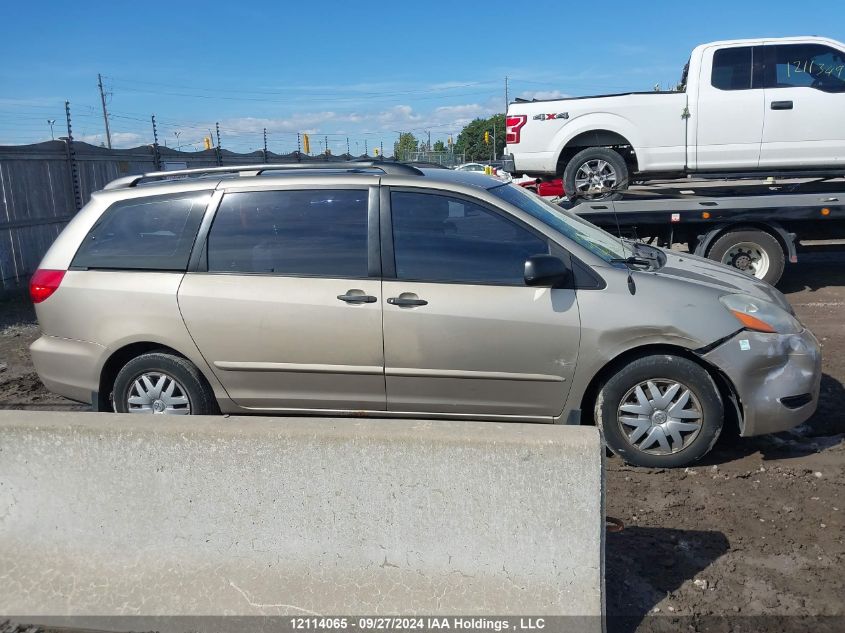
point(754, 530)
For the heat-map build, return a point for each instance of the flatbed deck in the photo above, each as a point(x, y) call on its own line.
point(702, 212)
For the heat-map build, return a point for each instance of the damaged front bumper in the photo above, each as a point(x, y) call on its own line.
point(775, 376)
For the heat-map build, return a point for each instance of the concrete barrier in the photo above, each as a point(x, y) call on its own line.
point(104, 514)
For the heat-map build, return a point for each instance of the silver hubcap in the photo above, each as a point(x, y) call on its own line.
point(595, 178)
point(660, 416)
point(156, 393)
point(749, 258)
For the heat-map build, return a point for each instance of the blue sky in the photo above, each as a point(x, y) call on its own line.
point(357, 70)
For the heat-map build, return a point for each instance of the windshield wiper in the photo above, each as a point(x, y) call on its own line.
point(632, 261)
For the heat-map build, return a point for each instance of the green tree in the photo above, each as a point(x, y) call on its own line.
point(405, 146)
point(471, 139)
point(439, 146)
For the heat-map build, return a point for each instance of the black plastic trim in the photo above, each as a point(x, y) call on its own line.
point(373, 238)
point(388, 262)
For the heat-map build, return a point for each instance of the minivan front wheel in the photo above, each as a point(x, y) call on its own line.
point(660, 411)
point(158, 383)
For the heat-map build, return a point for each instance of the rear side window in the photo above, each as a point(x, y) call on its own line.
point(155, 233)
point(441, 238)
point(319, 232)
point(732, 68)
point(805, 65)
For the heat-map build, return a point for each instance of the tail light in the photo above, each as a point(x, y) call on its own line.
point(44, 283)
point(513, 124)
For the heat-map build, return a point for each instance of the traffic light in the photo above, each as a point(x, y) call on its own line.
point(207, 141)
point(486, 137)
point(306, 144)
point(450, 139)
point(375, 151)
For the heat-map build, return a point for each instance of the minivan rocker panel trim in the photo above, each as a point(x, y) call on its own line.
point(301, 368)
point(308, 368)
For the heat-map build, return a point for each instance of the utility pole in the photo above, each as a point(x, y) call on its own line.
point(105, 112)
point(156, 153)
point(366, 152)
point(298, 146)
point(265, 144)
point(348, 153)
point(219, 154)
point(506, 95)
point(326, 139)
point(381, 149)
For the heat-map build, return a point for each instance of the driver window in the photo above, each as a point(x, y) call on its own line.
point(447, 239)
point(807, 66)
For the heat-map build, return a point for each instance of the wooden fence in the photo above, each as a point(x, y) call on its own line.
point(42, 187)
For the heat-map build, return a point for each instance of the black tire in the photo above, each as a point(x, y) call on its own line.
point(766, 242)
point(704, 399)
point(197, 390)
point(614, 158)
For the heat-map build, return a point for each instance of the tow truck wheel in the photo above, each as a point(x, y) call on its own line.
point(752, 251)
point(596, 173)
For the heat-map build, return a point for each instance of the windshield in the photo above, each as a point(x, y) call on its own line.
point(588, 235)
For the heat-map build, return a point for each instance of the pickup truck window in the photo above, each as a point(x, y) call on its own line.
point(806, 66)
point(591, 237)
point(732, 68)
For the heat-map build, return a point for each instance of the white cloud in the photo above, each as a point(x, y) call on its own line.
point(544, 94)
point(388, 121)
point(119, 140)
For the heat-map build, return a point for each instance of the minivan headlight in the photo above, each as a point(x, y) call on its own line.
point(761, 315)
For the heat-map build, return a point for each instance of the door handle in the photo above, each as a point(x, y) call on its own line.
point(781, 105)
point(351, 296)
point(404, 302)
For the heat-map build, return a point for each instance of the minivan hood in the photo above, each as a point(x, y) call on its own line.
point(698, 270)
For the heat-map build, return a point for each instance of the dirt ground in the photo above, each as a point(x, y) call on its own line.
point(751, 539)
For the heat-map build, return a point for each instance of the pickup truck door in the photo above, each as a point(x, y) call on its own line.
point(804, 106)
point(729, 114)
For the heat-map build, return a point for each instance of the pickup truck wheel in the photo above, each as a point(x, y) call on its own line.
point(596, 173)
point(660, 411)
point(752, 251)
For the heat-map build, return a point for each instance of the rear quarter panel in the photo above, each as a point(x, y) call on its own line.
point(112, 309)
point(652, 123)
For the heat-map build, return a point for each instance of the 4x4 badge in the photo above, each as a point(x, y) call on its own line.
point(549, 117)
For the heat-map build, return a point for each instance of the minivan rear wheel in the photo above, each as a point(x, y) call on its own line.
point(159, 383)
point(660, 411)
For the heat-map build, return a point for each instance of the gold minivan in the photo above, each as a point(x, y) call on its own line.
point(381, 289)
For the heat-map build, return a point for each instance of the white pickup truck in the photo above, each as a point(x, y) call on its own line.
point(764, 105)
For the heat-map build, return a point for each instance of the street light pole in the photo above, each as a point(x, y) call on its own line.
point(51, 123)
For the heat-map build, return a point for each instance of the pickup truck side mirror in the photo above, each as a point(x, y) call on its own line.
point(547, 270)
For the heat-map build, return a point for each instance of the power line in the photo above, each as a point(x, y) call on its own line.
point(302, 91)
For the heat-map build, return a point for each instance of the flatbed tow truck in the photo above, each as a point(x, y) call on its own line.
point(754, 225)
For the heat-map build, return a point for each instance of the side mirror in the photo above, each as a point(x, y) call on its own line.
point(547, 270)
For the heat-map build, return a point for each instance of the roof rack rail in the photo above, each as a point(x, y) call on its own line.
point(399, 169)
